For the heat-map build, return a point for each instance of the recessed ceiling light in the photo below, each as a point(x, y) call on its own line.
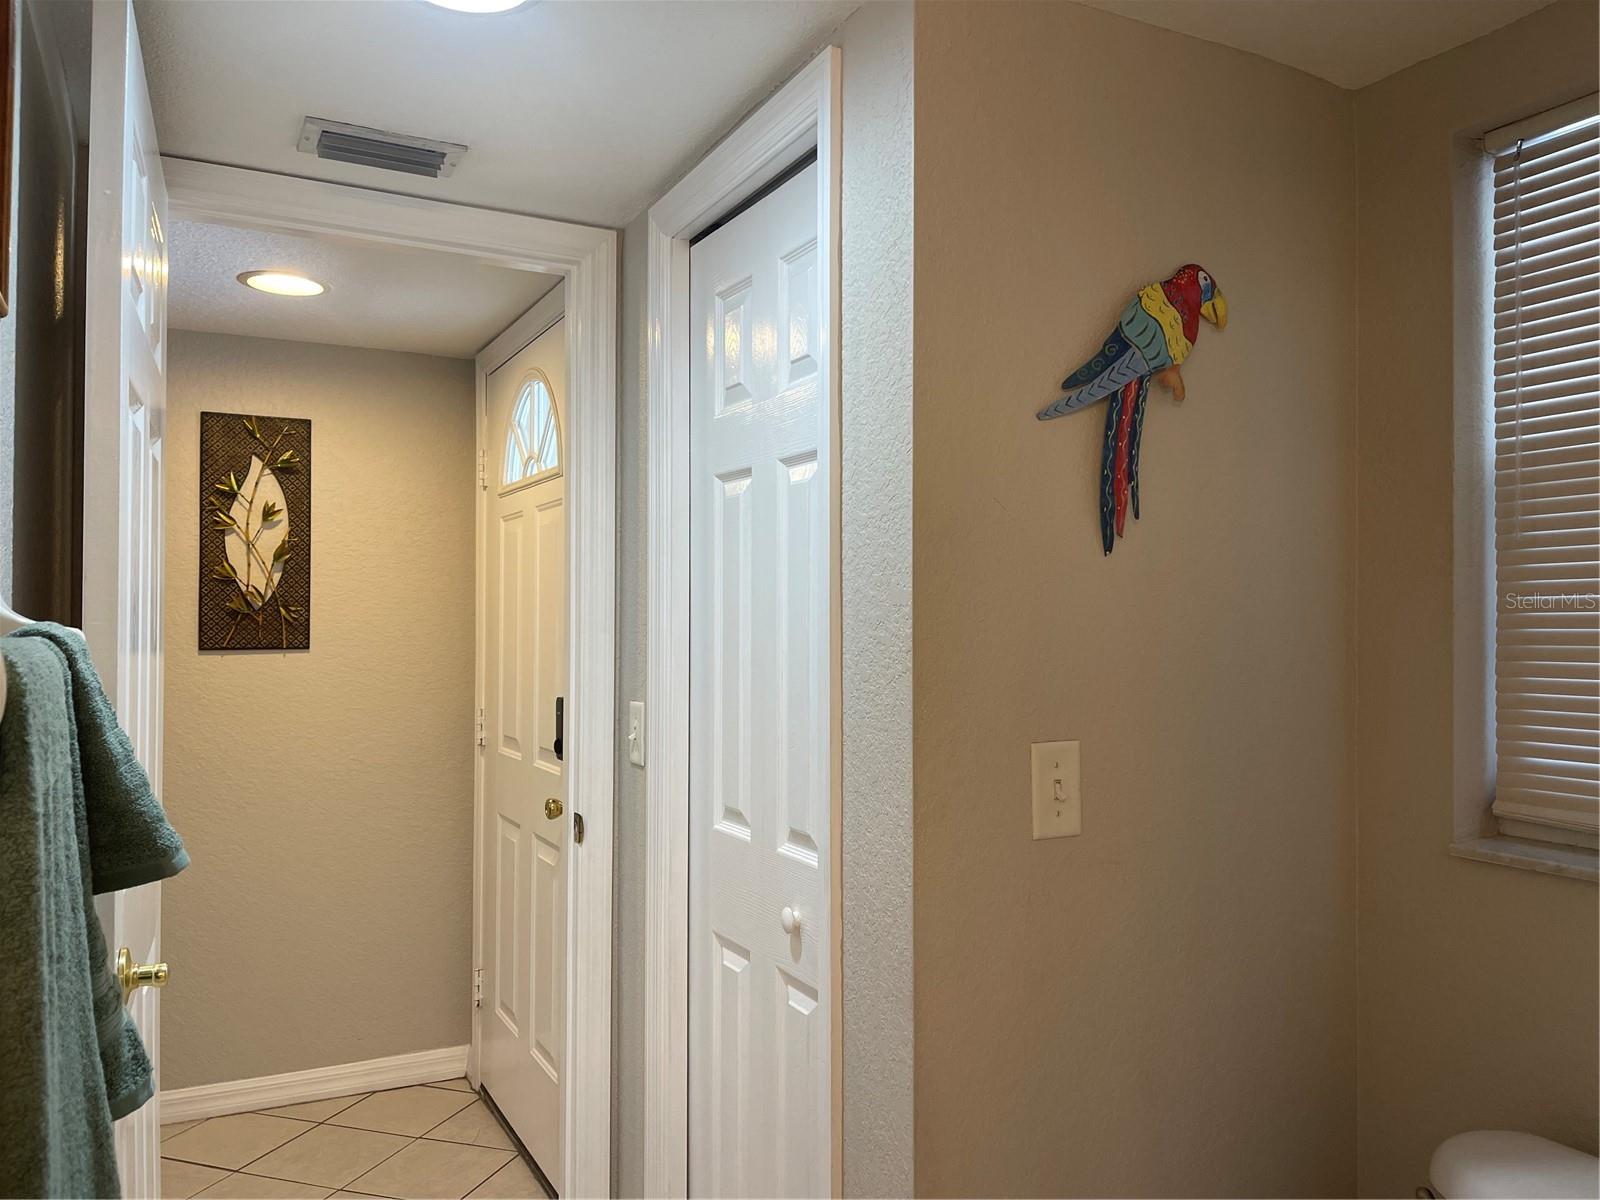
point(478, 6)
point(281, 283)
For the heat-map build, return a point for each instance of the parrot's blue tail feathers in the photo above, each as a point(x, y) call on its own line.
point(1108, 475)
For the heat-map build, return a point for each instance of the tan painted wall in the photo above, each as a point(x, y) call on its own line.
point(327, 916)
point(1478, 982)
point(1165, 1005)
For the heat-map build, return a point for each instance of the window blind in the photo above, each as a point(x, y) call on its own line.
point(1547, 471)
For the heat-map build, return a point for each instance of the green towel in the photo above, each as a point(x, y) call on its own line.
point(77, 817)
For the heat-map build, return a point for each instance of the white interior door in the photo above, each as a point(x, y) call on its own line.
point(526, 814)
point(759, 1097)
point(124, 425)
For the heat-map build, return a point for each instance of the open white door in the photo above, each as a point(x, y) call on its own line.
point(125, 394)
point(527, 812)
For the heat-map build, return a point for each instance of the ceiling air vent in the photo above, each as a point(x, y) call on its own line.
point(379, 148)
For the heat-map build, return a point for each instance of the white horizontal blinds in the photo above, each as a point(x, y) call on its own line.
point(1547, 470)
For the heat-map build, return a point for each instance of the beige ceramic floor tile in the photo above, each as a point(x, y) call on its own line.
point(180, 1180)
point(455, 1085)
point(511, 1182)
point(232, 1141)
point(316, 1110)
point(433, 1171)
point(172, 1128)
point(475, 1125)
point(240, 1186)
point(329, 1155)
point(412, 1110)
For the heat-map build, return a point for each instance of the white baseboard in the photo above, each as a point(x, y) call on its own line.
point(319, 1083)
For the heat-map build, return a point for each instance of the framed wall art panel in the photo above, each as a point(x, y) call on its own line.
point(255, 532)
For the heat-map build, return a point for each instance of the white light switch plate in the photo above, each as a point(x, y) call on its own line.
point(1057, 799)
point(636, 732)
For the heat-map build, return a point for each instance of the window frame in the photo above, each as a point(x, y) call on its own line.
point(1477, 833)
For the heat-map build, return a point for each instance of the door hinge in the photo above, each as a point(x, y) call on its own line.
point(483, 469)
point(477, 987)
point(477, 729)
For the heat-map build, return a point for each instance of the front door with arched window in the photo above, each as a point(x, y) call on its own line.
point(526, 809)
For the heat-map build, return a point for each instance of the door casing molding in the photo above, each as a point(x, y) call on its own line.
point(801, 116)
point(586, 258)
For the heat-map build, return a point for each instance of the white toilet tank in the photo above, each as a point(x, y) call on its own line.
point(1497, 1164)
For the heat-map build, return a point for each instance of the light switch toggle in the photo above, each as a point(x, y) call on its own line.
point(1057, 796)
point(636, 732)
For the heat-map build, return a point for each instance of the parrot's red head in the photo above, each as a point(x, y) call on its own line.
point(1192, 290)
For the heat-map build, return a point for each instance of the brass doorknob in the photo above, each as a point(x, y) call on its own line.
point(133, 975)
point(553, 808)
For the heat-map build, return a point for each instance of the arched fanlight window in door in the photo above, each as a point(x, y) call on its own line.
point(533, 435)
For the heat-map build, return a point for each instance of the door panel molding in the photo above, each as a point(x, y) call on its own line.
point(586, 258)
point(802, 116)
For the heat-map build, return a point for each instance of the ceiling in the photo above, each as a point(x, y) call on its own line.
point(379, 296)
point(1348, 42)
point(582, 111)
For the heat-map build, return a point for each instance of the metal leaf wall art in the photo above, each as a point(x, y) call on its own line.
point(255, 533)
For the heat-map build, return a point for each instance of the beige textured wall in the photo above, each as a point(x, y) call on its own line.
point(1478, 982)
point(1166, 1004)
point(326, 795)
point(876, 181)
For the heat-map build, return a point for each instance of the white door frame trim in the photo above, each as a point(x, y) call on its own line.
point(586, 257)
point(802, 115)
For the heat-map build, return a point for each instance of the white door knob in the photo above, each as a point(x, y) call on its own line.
point(791, 920)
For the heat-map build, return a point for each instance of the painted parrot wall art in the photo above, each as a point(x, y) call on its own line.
point(1155, 334)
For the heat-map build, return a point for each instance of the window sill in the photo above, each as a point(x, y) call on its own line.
point(1574, 862)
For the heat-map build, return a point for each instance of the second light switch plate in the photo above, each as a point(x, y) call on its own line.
point(1057, 800)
